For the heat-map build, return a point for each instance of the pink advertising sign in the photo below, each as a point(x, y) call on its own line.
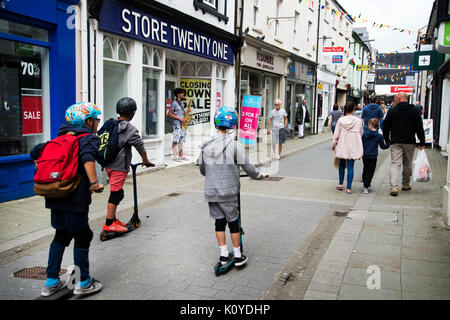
point(248, 126)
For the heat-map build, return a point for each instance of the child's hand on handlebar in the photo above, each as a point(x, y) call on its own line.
point(148, 164)
point(265, 175)
point(97, 188)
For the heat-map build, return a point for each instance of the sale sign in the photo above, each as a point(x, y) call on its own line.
point(248, 127)
point(31, 115)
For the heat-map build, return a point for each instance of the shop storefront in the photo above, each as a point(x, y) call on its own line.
point(146, 56)
point(300, 85)
point(38, 76)
point(263, 71)
point(326, 89)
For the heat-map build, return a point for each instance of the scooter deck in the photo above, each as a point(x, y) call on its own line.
point(131, 225)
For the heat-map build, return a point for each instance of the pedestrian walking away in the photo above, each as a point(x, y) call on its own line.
point(69, 214)
point(401, 125)
point(117, 170)
point(371, 140)
point(372, 110)
point(302, 116)
point(335, 115)
point(278, 120)
point(220, 160)
point(347, 143)
point(176, 112)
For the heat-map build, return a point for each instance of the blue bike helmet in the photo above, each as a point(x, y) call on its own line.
point(77, 114)
point(226, 117)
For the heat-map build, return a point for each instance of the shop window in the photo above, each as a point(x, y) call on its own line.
point(115, 74)
point(23, 30)
point(107, 48)
point(156, 58)
point(171, 67)
point(24, 97)
point(188, 68)
point(204, 69)
point(150, 91)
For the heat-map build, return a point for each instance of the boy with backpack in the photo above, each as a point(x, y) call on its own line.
point(371, 140)
point(220, 161)
point(117, 168)
point(69, 209)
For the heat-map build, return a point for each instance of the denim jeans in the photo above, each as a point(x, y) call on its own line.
point(350, 165)
point(69, 225)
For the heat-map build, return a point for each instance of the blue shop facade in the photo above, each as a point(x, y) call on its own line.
point(38, 82)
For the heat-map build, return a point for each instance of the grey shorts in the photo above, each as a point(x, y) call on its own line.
point(220, 210)
point(278, 135)
point(179, 135)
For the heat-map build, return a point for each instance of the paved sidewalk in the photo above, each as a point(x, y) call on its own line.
point(403, 240)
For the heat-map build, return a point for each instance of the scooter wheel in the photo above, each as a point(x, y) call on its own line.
point(217, 269)
point(103, 236)
point(137, 224)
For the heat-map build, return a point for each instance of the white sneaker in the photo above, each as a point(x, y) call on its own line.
point(366, 190)
point(93, 287)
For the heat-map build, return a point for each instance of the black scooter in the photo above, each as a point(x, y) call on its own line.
point(220, 269)
point(134, 222)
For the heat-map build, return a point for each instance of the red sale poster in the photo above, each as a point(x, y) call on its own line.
point(31, 115)
point(248, 126)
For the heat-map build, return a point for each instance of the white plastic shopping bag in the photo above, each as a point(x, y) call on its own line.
point(421, 169)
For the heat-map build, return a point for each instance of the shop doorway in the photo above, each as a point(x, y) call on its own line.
point(170, 85)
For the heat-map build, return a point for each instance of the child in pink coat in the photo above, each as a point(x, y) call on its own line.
point(347, 143)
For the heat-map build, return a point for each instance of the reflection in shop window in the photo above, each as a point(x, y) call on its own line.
point(24, 97)
point(150, 89)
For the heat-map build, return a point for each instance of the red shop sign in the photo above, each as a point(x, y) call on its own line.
point(31, 115)
point(401, 89)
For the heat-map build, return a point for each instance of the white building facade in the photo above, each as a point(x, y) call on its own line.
point(145, 50)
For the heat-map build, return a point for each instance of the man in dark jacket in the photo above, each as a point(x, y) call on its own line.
point(401, 125)
point(372, 110)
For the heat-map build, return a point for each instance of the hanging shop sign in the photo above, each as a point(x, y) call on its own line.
point(248, 126)
point(427, 60)
point(362, 67)
point(401, 89)
point(332, 55)
point(126, 21)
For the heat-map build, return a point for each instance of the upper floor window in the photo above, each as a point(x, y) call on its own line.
point(255, 12)
point(214, 7)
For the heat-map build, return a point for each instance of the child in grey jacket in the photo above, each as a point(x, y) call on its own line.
point(220, 161)
point(117, 170)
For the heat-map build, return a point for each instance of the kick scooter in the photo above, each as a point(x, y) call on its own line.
point(134, 222)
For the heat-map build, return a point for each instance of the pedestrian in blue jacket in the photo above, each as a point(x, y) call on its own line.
point(372, 110)
point(371, 140)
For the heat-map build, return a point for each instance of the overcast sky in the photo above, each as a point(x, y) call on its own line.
point(403, 14)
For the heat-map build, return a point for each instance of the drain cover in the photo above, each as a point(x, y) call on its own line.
point(174, 194)
point(36, 273)
point(340, 214)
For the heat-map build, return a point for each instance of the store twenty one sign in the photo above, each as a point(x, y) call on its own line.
point(124, 20)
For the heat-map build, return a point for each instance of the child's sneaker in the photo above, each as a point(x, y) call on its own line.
point(115, 227)
point(93, 287)
point(240, 261)
point(120, 223)
point(48, 291)
point(225, 260)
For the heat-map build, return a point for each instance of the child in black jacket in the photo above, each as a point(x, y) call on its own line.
point(69, 215)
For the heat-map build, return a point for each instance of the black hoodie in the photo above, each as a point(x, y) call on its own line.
point(401, 125)
point(80, 199)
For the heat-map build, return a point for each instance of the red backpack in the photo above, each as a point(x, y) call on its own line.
point(57, 167)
